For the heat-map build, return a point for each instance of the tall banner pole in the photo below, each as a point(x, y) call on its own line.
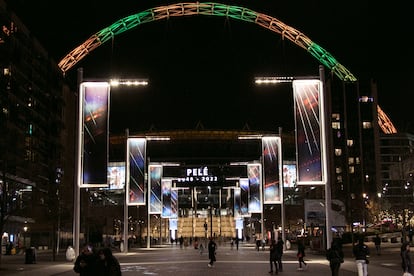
point(282, 205)
point(76, 200)
point(326, 126)
point(125, 231)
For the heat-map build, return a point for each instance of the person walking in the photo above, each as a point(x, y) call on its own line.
point(86, 262)
point(279, 246)
point(361, 253)
point(335, 256)
point(258, 242)
point(212, 247)
point(108, 265)
point(377, 242)
point(181, 239)
point(273, 257)
point(405, 257)
point(301, 255)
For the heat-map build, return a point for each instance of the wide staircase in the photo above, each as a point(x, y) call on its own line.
point(222, 227)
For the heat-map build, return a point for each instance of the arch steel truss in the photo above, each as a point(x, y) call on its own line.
point(216, 9)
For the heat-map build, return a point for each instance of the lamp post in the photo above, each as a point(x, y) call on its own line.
point(79, 119)
point(364, 211)
point(325, 139)
point(211, 211)
point(25, 228)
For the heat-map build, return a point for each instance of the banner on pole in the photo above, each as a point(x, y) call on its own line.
point(310, 132)
point(271, 156)
point(136, 149)
point(93, 134)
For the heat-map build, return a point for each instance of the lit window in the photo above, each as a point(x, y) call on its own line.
point(339, 178)
point(336, 116)
point(351, 161)
point(366, 99)
point(351, 169)
point(5, 111)
point(6, 71)
point(336, 125)
point(366, 125)
point(338, 152)
point(357, 161)
point(349, 142)
point(338, 170)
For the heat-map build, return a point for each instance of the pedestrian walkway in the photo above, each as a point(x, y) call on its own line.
point(173, 260)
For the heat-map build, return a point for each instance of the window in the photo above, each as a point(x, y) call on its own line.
point(336, 116)
point(338, 152)
point(366, 125)
point(366, 99)
point(6, 72)
point(349, 142)
point(336, 125)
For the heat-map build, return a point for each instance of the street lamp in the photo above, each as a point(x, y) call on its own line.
point(80, 120)
point(25, 228)
point(211, 211)
point(323, 141)
point(364, 211)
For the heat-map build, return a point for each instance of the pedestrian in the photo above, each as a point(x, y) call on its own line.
point(361, 253)
point(335, 256)
point(258, 244)
point(201, 248)
point(377, 242)
point(405, 257)
point(279, 246)
point(301, 255)
point(108, 265)
point(273, 257)
point(212, 247)
point(86, 262)
point(181, 241)
point(237, 243)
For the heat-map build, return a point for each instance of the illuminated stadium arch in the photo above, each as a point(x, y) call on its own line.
point(216, 9)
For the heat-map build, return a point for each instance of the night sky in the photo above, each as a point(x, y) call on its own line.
point(201, 69)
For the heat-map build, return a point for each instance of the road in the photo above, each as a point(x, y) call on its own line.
point(173, 260)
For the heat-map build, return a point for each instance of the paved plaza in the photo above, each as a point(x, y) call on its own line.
point(173, 260)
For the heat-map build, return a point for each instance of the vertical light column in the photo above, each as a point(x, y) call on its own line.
point(76, 200)
point(126, 228)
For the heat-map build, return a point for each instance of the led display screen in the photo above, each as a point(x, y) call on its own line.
point(289, 175)
point(271, 163)
point(255, 183)
point(309, 122)
point(136, 149)
point(166, 198)
point(154, 182)
point(244, 196)
point(116, 175)
point(93, 133)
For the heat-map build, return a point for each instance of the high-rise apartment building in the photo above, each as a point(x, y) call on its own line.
point(32, 152)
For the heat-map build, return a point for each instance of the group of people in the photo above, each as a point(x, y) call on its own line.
point(101, 263)
point(361, 253)
point(104, 262)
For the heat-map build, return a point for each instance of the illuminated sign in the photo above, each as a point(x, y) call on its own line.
point(200, 174)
